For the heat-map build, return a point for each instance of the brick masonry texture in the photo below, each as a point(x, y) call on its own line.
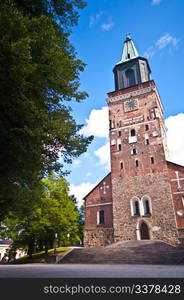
point(177, 192)
point(146, 174)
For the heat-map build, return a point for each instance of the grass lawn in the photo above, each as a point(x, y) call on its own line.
point(39, 257)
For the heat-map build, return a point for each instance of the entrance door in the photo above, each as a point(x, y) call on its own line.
point(144, 231)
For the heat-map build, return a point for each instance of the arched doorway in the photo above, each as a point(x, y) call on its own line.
point(144, 231)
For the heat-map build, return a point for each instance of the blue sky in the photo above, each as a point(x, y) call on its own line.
point(157, 28)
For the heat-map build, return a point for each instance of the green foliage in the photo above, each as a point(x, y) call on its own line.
point(65, 11)
point(81, 222)
point(39, 74)
point(54, 212)
point(38, 257)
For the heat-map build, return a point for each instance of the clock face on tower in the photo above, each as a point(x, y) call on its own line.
point(130, 104)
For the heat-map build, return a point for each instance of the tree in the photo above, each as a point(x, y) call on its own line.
point(81, 223)
point(74, 199)
point(54, 212)
point(39, 75)
point(65, 11)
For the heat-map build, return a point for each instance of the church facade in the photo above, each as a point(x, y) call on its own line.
point(142, 198)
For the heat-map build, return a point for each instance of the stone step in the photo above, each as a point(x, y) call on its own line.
point(128, 252)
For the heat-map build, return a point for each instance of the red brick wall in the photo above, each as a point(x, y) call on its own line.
point(137, 119)
point(177, 190)
point(148, 179)
point(155, 180)
point(95, 201)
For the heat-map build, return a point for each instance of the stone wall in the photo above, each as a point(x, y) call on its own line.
point(96, 237)
point(162, 223)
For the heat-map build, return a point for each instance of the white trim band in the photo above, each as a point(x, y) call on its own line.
point(182, 192)
point(133, 124)
point(100, 204)
point(133, 94)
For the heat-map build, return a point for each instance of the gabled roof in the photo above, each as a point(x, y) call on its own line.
point(129, 51)
point(171, 162)
point(96, 186)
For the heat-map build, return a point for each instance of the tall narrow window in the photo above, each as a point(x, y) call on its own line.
point(110, 124)
point(147, 141)
point(183, 201)
point(121, 165)
point(119, 147)
point(146, 207)
point(152, 160)
point(132, 132)
point(136, 163)
point(134, 151)
point(119, 133)
point(100, 217)
point(147, 127)
point(135, 207)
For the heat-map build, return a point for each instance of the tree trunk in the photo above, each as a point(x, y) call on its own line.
point(31, 247)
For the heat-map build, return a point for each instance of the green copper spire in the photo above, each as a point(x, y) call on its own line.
point(132, 69)
point(129, 50)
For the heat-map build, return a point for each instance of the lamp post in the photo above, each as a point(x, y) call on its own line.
point(55, 242)
point(68, 236)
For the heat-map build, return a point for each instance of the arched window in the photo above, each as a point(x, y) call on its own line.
point(130, 77)
point(146, 206)
point(133, 132)
point(135, 207)
point(100, 217)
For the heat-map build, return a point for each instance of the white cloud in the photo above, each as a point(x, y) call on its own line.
point(156, 2)
point(97, 124)
point(80, 191)
point(175, 137)
point(76, 163)
point(106, 26)
point(161, 43)
point(93, 20)
point(166, 40)
point(103, 154)
point(88, 174)
point(149, 52)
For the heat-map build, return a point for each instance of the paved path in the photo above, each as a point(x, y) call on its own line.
point(87, 270)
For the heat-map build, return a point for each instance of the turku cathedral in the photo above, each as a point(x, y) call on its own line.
point(142, 198)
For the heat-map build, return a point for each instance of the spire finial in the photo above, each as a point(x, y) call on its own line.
point(129, 50)
point(128, 37)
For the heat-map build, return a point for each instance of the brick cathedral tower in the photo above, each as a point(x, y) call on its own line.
point(143, 195)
